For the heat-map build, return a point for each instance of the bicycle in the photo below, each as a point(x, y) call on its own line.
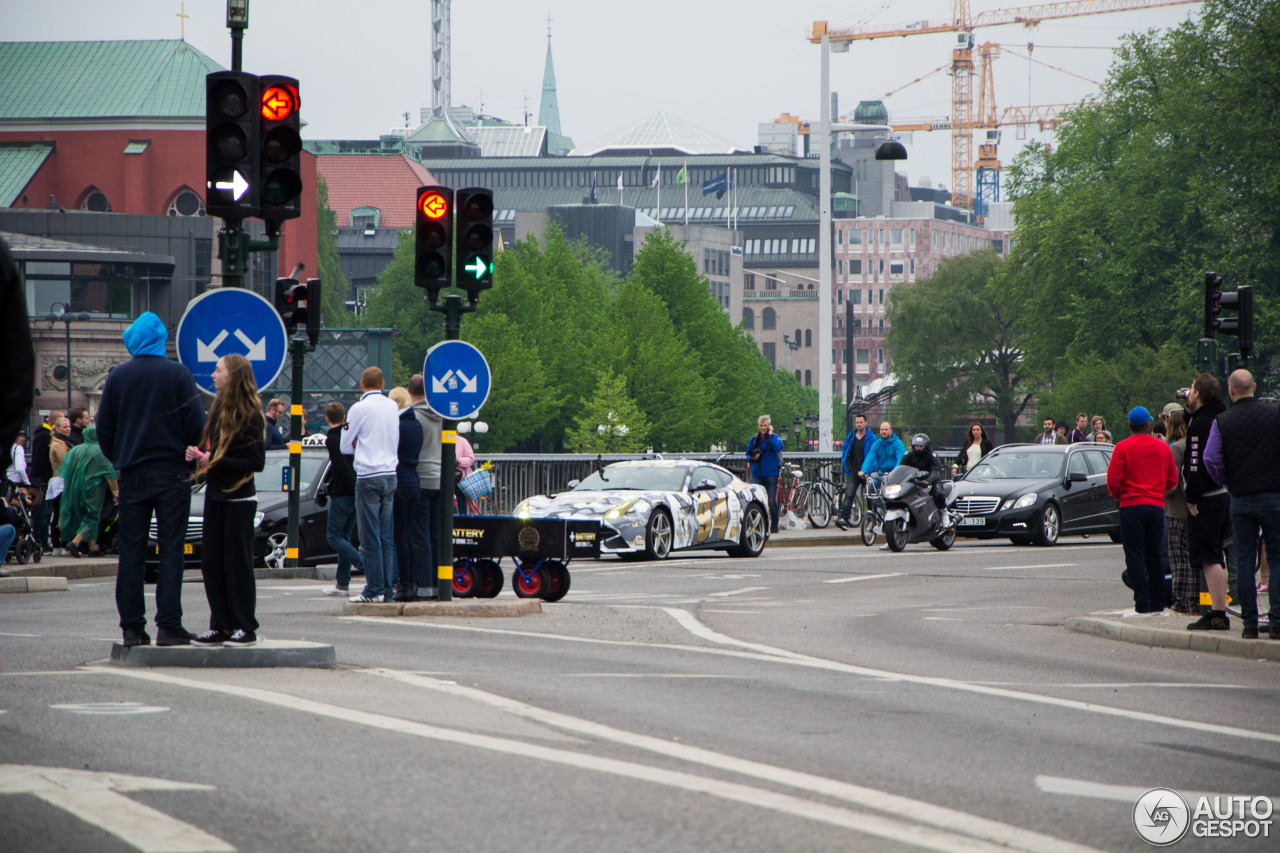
point(819, 500)
point(874, 512)
point(791, 496)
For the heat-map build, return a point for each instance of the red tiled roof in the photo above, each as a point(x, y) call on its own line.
point(387, 182)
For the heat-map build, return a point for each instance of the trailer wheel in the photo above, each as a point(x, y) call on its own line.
point(489, 575)
point(531, 582)
point(558, 574)
point(464, 578)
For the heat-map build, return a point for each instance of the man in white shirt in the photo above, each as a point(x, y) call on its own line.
point(372, 435)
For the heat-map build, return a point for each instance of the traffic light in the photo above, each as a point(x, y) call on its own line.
point(433, 240)
point(291, 303)
point(313, 311)
point(1242, 324)
point(474, 240)
point(280, 148)
point(231, 144)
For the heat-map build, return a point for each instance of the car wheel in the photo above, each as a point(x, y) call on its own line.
point(755, 532)
point(658, 536)
point(490, 576)
point(277, 547)
point(895, 532)
point(530, 583)
point(558, 577)
point(1050, 524)
point(465, 579)
point(946, 540)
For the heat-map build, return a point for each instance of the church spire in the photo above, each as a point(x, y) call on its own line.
point(549, 109)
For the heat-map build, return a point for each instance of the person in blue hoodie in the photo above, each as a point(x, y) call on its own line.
point(764, 453)
point(885, 452)
point(150, 413)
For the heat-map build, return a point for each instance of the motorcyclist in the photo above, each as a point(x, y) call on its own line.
point(921, 456)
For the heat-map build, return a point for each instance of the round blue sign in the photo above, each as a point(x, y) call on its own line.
point(231, 320)
point(457, 379)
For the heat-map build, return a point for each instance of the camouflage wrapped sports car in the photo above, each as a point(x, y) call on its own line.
point(652, 507)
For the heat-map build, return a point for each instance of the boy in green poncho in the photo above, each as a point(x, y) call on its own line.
point(88, 476)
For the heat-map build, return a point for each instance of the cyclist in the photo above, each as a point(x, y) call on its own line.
point(885, 453)
point(853, 454)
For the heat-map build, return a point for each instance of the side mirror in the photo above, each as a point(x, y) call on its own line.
point(573, 484)
point(1077, 477)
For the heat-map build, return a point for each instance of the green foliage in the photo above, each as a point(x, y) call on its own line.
point(1175, 174)
point(333, 290)
point(397, 304)
point(520, 400)
point(956, 340)
point(610, 422)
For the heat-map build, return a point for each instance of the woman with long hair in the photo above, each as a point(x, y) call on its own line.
point(976, 446)
point(235, 438)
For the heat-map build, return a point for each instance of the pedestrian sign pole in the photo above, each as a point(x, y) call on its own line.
point(298, 349)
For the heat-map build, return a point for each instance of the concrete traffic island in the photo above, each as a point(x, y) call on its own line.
point(471, 608)
point(267, 653)
point(1170, 632)
point(28, 583)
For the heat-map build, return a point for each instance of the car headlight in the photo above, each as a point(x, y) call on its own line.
point(1019, 503)
point(522, 509)
point(257, 519)
point(620, 510)
point(893, 491)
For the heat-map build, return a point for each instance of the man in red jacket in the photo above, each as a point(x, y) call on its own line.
point(1141, 472)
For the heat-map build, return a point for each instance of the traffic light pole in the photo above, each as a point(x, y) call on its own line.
point(453, 309)
point(234, 247)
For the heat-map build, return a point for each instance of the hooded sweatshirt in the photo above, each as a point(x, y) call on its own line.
point(150, 411)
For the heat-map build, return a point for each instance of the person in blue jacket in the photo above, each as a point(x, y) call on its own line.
point(884, 454)
point(764, 451)
point(852, 455)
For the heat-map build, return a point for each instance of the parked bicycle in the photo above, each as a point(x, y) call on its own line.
point(821, 500)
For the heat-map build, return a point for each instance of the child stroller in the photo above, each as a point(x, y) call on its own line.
point(25, 548)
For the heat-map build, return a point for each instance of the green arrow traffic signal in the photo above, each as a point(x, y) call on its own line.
point(476, 267)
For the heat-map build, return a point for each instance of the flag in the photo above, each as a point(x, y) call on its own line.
point(657, 177)
point(592, 197)
point(619, 182)
point(681, 177)
point(719, 185)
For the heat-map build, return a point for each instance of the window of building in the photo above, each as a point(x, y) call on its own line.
point(911, 238)
point(797, 375)
point(839, 297)
point(855, 266)
point(186, 203)
point(855, 237)
point(749, 282)
point(796, 337)
point(862, 358)
point(839, 236)
point(855, 296)
point(839, 268)
point(882, 296)
point(102, 290)
point(770, 351)
point(882, 266)
point(871, 296)
point(808, 337)
point(364, 217)
point(96, 201)
point(895, 236)
point(808, 378)
point(913, 266)
point(881, 327)
point(857, 325)
point(880, 355)
point(769, 319)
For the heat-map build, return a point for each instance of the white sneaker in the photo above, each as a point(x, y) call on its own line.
point(337, 590)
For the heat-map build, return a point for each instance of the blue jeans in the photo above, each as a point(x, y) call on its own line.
point(423, 539)
point(771, 486)
point(1248, 513)
point(7, 534)
point(1142, 532)
point(167, 494)
point(375, 500)
point(342, 520)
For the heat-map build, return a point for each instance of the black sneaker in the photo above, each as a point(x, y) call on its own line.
point(74, 551)
point(212, 637)
point(842, 524)
point(1214, 620)
point(1249, 633)
point(405, 593)
point(174, 636)
point(241, 639)
point(135, 637)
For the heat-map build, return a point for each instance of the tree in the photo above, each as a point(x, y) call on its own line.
point(397, 304)
point(333, 291)
point(610, 422)
point(521, 402)
point(956, 340)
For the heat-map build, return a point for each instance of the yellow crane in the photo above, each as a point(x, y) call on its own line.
point(963, 23)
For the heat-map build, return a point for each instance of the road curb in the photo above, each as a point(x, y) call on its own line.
point(32, 584)
point(72, 569)
point(464, 609)
point(1171, 638)
point(790, 540)
point(267, 653)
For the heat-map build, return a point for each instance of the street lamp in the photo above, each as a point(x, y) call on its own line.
point(67, 318)
point(796, 426)
point(811, 423)
point(476, 428)
point(889, 150)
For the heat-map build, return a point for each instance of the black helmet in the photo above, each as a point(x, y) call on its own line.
point(921, 440)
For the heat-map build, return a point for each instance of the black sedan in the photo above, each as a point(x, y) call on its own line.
point(1036, 493)
point(271, 521)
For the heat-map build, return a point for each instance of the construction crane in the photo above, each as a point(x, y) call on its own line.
point(963, 120)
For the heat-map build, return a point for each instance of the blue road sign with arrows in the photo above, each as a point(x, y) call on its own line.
point(231, 320)
point(457, 379)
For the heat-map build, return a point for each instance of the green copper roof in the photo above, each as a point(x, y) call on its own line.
point(18, 165)
point(549, 109)
point(102, 79)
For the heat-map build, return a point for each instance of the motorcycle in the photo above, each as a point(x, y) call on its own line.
point(911, 515)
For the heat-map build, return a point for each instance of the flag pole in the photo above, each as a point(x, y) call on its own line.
point(686, 199)
point(659, 211)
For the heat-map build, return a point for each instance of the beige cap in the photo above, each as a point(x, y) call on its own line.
point(1170, 407)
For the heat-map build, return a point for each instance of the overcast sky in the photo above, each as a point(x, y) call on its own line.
point(725, 66)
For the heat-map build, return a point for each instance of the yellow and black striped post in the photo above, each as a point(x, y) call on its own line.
point(444, 536)
point(298, 348)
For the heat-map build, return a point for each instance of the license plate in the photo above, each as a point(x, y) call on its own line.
point(187, 549)
point(973, 521)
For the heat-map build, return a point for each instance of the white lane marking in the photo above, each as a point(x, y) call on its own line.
point(916, 810)
point(745, 589)
point(1125, 684)
point(110, 709)
point(688, 621)
point(93, 798)
point(941, 619)
point(3, 634)
point(866, 578)
point(737, 612)
point(1044, 566)
point(648, 675)
point(1128, 793)
point(871, 824)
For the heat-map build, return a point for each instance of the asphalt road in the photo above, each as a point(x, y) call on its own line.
point(813, 699)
